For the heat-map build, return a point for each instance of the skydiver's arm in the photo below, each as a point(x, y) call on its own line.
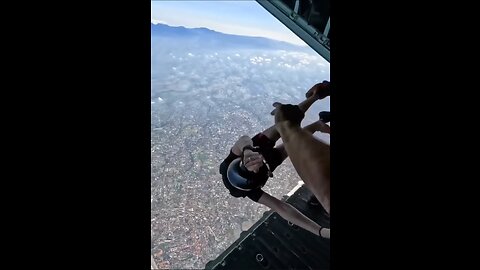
point(312, 128)
point(324, 128)
point(317, 92)
point(311, 159)
point(309, 156)
point(290, 213)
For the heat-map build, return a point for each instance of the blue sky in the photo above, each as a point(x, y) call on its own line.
point(245, 17)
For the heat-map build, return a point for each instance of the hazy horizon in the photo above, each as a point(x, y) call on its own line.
point(245, 18)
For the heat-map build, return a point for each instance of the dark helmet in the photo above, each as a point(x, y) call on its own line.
point(243, 179)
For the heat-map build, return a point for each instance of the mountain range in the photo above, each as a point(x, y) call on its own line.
point(207, 37)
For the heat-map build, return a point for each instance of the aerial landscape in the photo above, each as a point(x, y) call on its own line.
point(207, 89)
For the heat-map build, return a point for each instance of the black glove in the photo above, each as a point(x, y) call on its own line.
point(289, 112)
point(324, 116)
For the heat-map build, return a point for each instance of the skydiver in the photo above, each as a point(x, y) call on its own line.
point(309, 156)
point(252, 161)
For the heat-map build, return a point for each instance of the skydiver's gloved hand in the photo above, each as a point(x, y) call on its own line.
point(324, 118)
point(320, 90)
point(288, 113)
